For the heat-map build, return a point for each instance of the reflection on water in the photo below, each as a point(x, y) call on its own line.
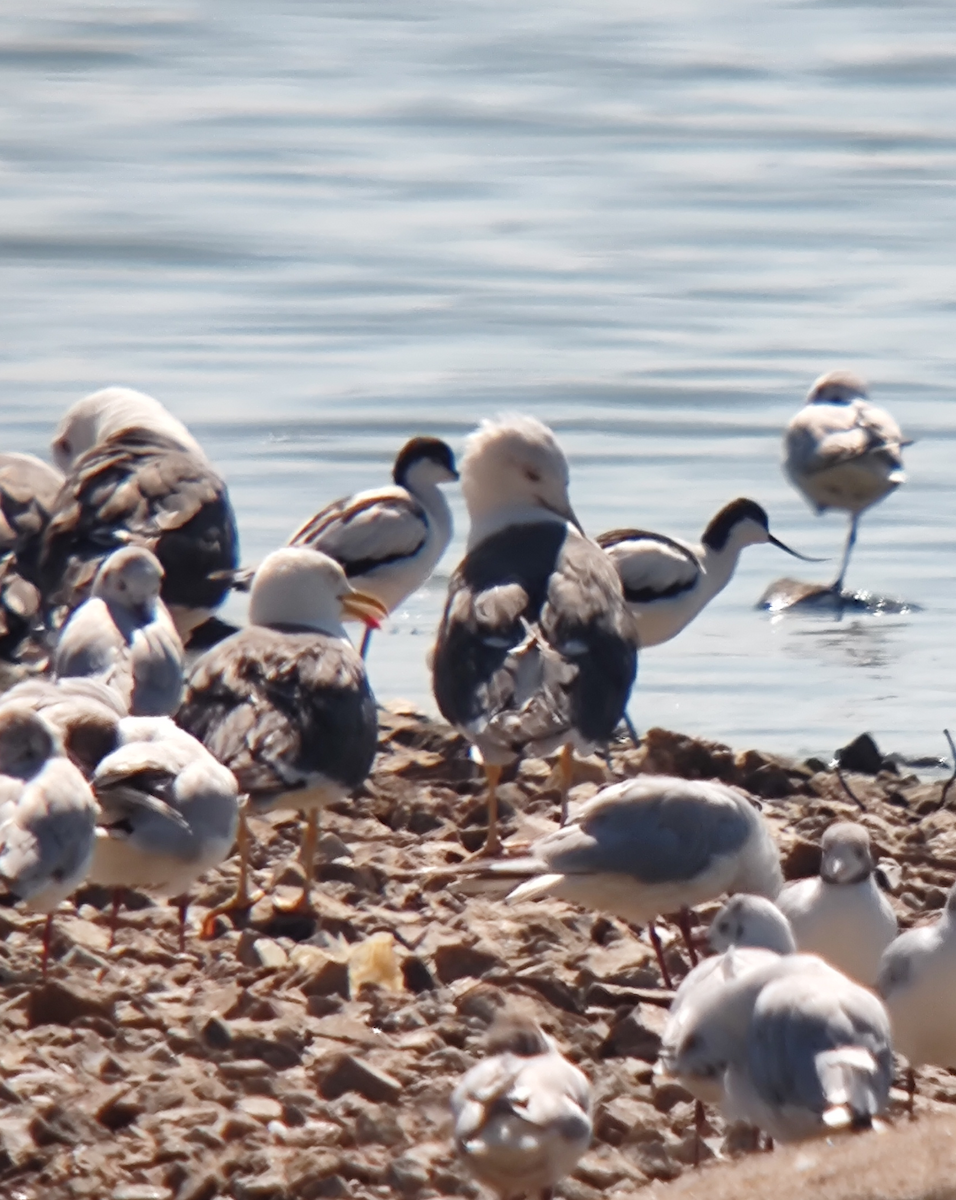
point(313, 230)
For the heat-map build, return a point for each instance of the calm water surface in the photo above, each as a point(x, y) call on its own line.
point(314, 229)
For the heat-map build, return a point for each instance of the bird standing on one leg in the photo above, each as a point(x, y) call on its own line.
point(536, 650)
point(842, 452)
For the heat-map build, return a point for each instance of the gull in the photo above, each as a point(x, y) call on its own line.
point(536, 651)
point(28, 491)
point(523, 1114)
point(124, 635)
point(650, 846)
point(285, 703)
point(668, 582)
point(136, 476)
point(85, 714)
point(842, 452)
point(47, 817)
point(748, 932)
point(842, 915)
point(917, 980)
point(795, 1047)
point(169, 813)
point(389, 540)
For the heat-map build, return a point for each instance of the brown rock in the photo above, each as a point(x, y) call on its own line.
point(455, 960)
point(56, 1003)
point(261, 1108)
point(348, 1074)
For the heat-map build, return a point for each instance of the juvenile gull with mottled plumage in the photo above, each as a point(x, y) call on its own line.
point(124, 635)
point(536, 651)
point(285, 703)
point(841, 451)
point(135, 475)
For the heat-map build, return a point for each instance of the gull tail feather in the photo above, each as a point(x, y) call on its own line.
point(850, 1078)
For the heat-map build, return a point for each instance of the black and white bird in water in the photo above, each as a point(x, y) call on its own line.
point(47, 817)
point(668, 582)
point(842, 452)
point(389, 540)
point(124, 636)
point(522, 1114)
point(285, 703)
point(536, 650)
point(136, 476)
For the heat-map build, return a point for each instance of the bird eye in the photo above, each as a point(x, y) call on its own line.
point(532, 476)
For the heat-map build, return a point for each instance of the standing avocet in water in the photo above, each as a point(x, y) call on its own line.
point(842, 452)
point(667, 582)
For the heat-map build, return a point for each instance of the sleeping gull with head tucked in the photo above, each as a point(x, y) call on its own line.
point(842, 915)
point(84, 713)
point(169, 812)
point(649, 846)
point(523, 1114)
point(536, 651)
point(285, 703)
point(124, 636)
point(135, 475)
point(47, 817)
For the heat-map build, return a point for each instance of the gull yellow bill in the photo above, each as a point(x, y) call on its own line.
point(360, 606)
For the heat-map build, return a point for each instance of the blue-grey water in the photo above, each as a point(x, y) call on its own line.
point(314, 229)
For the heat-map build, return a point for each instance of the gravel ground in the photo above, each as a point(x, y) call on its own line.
point(297, 1057)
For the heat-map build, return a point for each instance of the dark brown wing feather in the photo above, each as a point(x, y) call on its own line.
point(141, 487)
point(564, 592)
point(278, 707)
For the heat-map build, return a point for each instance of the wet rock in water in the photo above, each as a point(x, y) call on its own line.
point(785, 595)
point(862, 755)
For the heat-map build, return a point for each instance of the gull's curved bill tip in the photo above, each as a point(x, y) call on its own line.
point(774, 541)
point(360, 606)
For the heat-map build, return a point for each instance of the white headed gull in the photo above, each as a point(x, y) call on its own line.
point(522, 1115)
point(842, 915)
point(125, 636)
point(536, 651)
point(285, 704)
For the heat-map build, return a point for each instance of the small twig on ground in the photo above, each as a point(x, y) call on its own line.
point(952, 779)
point(849, 791)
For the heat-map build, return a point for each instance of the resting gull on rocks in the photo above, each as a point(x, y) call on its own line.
point(136, 476)
point(169, 812)
point(85, 713)
point(536, 651)
point(47, 817)
point(523, 1114)
point(797, 1048)
point(124, 635)
point(285, 703)
point(842, 915)
point(646, 847)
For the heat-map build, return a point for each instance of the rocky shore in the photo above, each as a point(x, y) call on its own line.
point(294, 1057)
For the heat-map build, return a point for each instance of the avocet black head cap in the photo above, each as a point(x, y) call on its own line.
point(429, 450)
point(837, 387)
point(730, 516)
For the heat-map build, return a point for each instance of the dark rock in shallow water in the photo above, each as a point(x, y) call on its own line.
point(861, 755)
point(787, 595)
